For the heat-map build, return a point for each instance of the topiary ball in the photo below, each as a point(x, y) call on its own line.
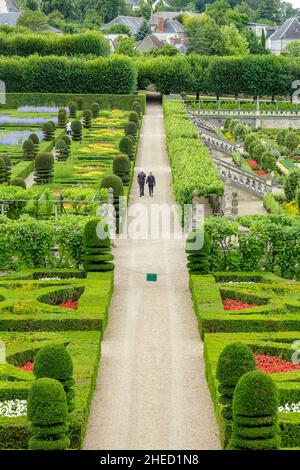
point(73, 109)
point(126, 146)
point(95, 109)
point(134, 117)
point(235, 360)
point(44, 161)
point(18, 182)
point(137, 108)
point(67, 140)
point(91, 236)
point(28, 150)
point(62, 111)
point(80, 104)
point(54, 362)
point(34, 138)
point(114, 182)
point(255, 395)
point(130, 128)
point(46, 403)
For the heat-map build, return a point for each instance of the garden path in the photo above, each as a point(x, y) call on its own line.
point(29, 181)
point(151, 390)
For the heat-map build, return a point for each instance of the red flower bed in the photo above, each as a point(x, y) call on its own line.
point(70, 304)
point(261, 173)
point(272, 364)
point(230, 304)
point(28, 367)
point(253, 164)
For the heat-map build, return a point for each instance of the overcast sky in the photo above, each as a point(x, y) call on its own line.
point(296, 3)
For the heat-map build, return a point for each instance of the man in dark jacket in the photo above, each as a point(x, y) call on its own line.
point(151, 183)
point(141, 180)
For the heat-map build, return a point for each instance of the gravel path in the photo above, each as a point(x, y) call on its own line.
point(151, 391)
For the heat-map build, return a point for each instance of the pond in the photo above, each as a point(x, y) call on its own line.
point(18, 137)
point(6, 119)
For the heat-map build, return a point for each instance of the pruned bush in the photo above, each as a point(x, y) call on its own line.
point(48, 131)
point(76, 131)
point(131, 128)
point(18, 182)
point(47, 412)
point(2, 171)
point(255, 413)
point(8, 167)
point(67, 139)
point(62, 151)
point(126, 146)
point(114, 182)
point(199, 259)
point(134, 117)
point(29, 150)
point(137, 108)
point(258, 152)
point(55, 362)
point(73, 109)
point(281, 137)
point(87, 119)
point(62, 120)
point(292, 141)
point(44, 168)
point(121, 168)
point(291, 185)
point(80, 104)
point(235, 360)
point(36, 141)
point(95, 109)
point(97, 255)
point(268, 162)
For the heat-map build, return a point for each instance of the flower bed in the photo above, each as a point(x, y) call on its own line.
point(230, 304)
point(253, 164)
point(289, 408)
point(273, 364)
point(27, 367)
point(13, 408)
point(73, 304)
point(261, 173)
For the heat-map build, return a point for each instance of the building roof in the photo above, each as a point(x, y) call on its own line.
point(134, 23)
point(165, 15)
point(165, 3)
point(149, 42)
point(173, 26)
point(9, 19)
point(289, 30)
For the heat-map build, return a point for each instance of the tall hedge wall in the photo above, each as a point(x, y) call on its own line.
point(250, 75)
point(48, 44)
point(54, 74)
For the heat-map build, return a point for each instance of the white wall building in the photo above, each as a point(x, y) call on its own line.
point(289, 31)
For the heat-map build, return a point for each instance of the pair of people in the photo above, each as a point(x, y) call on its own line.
point(144, 179)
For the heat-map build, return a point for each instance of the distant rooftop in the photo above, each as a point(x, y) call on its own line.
point(134, 23)
point(289, 30)
point(9, 19)
point(166, 15)
point(173, 26)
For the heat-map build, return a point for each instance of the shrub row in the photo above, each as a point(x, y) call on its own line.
point(53, 74)
point(54, 44)
point(192, 167)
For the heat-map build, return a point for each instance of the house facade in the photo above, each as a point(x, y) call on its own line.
point(289, 31)
point(9, 12)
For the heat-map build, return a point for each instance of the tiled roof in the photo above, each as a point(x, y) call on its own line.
point(150, 42)
point(289, 30)
point(133, 23)
point(173, 26)
point(165, 15)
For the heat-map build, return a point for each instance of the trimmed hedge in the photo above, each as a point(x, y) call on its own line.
point(192, 167)
point(114, 75)
point(54, 44)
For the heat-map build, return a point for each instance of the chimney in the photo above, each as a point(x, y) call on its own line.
point(160, 25)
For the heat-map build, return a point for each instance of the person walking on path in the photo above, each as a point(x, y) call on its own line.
point(151, 183)
point(69, 128)
point(141, 180)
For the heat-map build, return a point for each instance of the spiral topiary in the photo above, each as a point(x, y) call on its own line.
point(67, 139)
point(18, 182)
point(73, 109)
point(36, 142)
point(55, 362)
point(76, 131)
point(8, 167)
point(131, 128)
point(28, 150)
point(235, 360)
point(97, 255)
point(199, 259)
point(121, 168)
point(63, 111)
point(255, 413)
point(95, 110)
point(2, 171)
point(87, 119)
point(137, 108)
point(114, 182)
point(62, 120)
point(62, 151)
point(48, 131)
point(44, 168)
point(80, 104)
point(126, 146)
point(47, 412)
point(134, 117)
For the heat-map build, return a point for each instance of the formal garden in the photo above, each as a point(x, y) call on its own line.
point(57, 275)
